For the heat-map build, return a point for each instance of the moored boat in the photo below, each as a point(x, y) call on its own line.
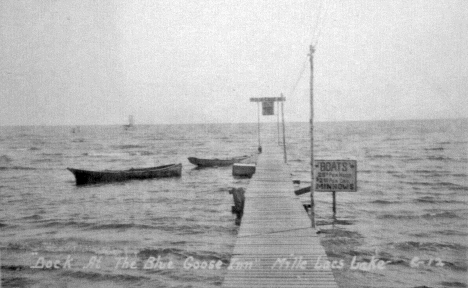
point(92, 177)
point(215, 162)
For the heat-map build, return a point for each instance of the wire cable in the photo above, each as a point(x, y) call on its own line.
point(293, 89)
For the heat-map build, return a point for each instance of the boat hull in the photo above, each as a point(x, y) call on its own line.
point(216, 162)
point(84, 177)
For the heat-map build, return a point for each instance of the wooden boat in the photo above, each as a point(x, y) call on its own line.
point(92, 177)
point(217, 162)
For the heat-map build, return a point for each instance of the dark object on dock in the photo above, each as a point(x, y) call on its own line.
point(243, 170)
point(91, 177)
point(302, 190)
point(239, 200)
point(217, 162)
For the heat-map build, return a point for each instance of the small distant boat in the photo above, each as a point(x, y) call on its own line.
point(217, 162)
point(92, 177)
point(131, 123)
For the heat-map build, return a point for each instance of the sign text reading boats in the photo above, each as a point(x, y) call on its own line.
point(335, 175)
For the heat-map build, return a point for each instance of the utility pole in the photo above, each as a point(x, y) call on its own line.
point(312, 182)
point(258, 116)
point(284, 130)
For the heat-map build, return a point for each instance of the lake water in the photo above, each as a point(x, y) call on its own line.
point(410, 207)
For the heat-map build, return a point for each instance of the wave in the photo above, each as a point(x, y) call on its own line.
point(431, 199)
point(439, 158)
point(172, 227)
point(430, 172)
point(453, 186)
point(413, 159)
point(32, 217)
point(95, 276)
point(104, 154)
point(5, 159)
point(434, 158)
point(94, 226)
point(43, 160)
point(120, 226)
point(396, 217)
point(460, 175)
point(332, 222)
point(449, 232)
point(128, 146)
point(52, 154)
point(177, 253)
point(339, 239)
point(396, 174)
point(429, 246)
point(445, 214)
point(434, 149)
point(384, 202)
point(195, 229)
point(453, 284)
point(380, 156)
point(59, 224)
point(14, 268)
point(456, 265)
point(16, 168)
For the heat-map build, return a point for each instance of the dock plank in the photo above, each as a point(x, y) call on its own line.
point(276, 246)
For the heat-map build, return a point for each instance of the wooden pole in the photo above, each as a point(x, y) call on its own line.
point(334, 203)
point(277, 121)
point(258, 114)
point(284, 133)
point(312, 183)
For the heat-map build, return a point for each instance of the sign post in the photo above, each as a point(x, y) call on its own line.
point(268, 108)
point(284, 132)
point(277, 123)
point(334, 204)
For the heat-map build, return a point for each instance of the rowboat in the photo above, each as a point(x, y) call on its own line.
point(217, 162)
point(91, 177)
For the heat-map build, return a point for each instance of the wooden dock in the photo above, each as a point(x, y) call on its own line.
point(276, 246)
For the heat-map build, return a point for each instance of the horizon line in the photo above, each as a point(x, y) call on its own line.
point(230, 123)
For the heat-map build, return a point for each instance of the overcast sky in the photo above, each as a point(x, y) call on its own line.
point(96, 62)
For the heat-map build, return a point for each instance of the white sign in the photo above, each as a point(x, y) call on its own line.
point(335, 175)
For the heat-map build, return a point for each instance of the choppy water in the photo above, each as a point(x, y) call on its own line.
point(411, 202)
